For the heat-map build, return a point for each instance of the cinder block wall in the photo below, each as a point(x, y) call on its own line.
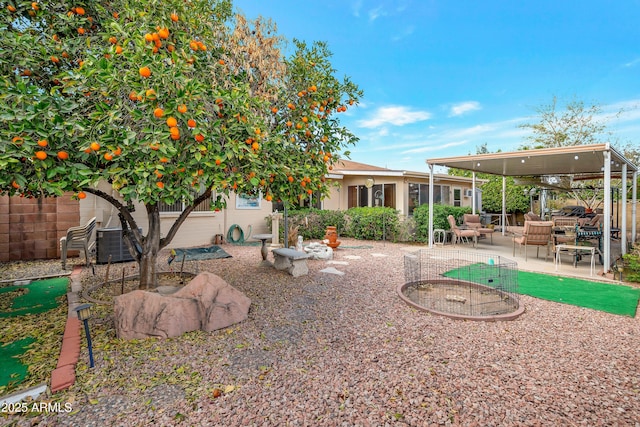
point(31, 228)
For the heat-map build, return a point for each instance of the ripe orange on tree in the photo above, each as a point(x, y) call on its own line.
point(11, 8)
point(117, 151)
point(158, 112)
point(274, 110)
point(160, 184)
point(80, 10)
point(172, 122)
point(268, 197)
point(145, 72)
point(199, 137)
point(108, 156)
point(221, 62)
point(182, 108)
point(163, 33)
point(55, 59)
point(113, 40)
point(164, 160)
point(290, 178)
point(118, 50)
point(41, 155)
point(94, 146)
point(191, 123)
point(82, 195)
point(15, 185)
point(218, 162)
point(43, 143)
point(174, 17)
point(255, 146)
point(63, 155)
point(81, 31)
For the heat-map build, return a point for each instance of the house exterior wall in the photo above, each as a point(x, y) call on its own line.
point(339, 195)
point(198, 229)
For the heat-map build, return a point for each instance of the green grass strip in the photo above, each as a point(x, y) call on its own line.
point(607, 297)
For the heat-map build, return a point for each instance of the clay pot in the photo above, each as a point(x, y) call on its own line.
point(331, 235)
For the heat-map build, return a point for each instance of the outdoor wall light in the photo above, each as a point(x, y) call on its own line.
point(576, 157)
point(84, 313)
point(522, 161)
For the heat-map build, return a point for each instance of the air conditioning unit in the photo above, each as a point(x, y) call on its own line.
point(468, 193)
point(109, 241)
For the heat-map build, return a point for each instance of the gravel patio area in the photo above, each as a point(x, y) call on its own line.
point(344, 350)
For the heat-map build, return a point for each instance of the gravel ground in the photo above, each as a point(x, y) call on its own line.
point(334, 350)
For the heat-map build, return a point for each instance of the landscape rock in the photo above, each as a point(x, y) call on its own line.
point(207, 302)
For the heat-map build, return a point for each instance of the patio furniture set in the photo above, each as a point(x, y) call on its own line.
point(572, 235)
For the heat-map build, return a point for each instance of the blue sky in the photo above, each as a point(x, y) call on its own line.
point(442, 77)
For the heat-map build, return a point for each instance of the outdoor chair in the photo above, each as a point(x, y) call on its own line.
point(565, 221)
point(473, 222)
point(536, 233)
point(462, 234)
point(80, 238)
point(532, 217)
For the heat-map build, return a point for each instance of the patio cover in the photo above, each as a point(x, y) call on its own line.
point(578, 161)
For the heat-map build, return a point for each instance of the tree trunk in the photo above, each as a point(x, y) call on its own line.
point(150, 248)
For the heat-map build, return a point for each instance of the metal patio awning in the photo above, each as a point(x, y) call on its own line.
point(573, 160)
point(578, 161)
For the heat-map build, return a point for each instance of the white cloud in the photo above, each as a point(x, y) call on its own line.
point(463, 107)
point(632, 63)
point(404, 34)
point(436, 148)
point(394, 115)
point(376, 13)
point(356, 8)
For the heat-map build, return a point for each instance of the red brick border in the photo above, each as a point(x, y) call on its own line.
point(64, 376)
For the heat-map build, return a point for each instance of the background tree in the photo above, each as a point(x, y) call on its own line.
point(576, 124)
point(516, 200)
point(163, 100)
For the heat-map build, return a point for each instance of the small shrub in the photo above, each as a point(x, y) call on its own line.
point(372, 223)
point(440, 214)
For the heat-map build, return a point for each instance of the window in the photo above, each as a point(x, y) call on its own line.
point(178, 207)
point(358, 196)
point(313, 201)
point(457, 197)
point(384, 195)
point(419, 195)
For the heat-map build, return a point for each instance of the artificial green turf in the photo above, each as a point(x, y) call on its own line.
point(608, 297)
point(11, 369)
point(41, 296)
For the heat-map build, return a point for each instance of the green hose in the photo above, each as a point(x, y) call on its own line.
point(230, 238)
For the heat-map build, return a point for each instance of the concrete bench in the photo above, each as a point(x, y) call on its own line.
point(295, 262)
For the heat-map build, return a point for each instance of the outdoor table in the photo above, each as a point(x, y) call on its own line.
point(576, 248)
point(263, 249)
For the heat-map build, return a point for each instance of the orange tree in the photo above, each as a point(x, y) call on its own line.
point(164, 102)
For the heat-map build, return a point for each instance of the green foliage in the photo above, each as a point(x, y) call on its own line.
point(516, 200)
point(312, 223)
point(632, 265)
point(576, 124)
point(372, 223)
point(98, 84)
point(440, 214)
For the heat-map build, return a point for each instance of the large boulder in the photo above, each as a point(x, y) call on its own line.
point(207, 302)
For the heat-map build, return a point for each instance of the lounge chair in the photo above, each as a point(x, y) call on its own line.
point(536, 233)
point(473, 222)
point(460, 234)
